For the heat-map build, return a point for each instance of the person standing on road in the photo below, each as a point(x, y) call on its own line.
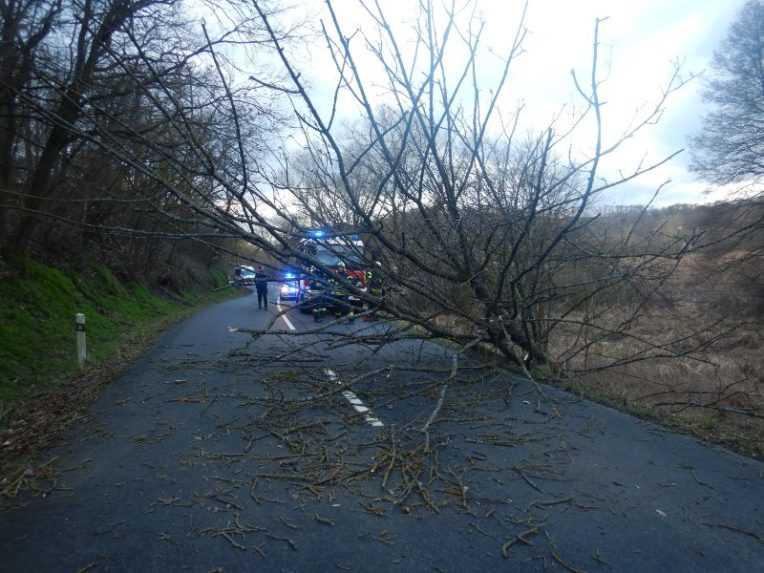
point(375, 286)
point(261, 286)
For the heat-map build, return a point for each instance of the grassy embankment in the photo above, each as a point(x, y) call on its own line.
point(37, 342)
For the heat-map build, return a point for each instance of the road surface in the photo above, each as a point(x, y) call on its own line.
point(219, 452)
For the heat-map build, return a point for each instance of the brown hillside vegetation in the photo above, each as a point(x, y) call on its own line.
point(708, 376)
point(680, 343)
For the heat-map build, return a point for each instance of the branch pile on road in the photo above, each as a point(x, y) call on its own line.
point(305, 433)
point(296, 428)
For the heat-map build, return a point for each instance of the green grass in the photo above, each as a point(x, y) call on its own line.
point(37, 309)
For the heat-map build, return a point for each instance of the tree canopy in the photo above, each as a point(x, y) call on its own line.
point(730, 145)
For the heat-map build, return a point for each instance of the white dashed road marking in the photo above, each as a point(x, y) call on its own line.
point(349, 395)
point(354, 400)
point(288, 322)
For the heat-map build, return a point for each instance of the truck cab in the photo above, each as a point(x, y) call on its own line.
point(343, 258)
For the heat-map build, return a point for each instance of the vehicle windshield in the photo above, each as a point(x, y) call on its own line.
point(336, 254)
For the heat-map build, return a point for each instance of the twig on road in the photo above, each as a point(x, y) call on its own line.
point(286, 540)
point(527, 480)
point(519, 538)
point(736, 529)
point(570, 568)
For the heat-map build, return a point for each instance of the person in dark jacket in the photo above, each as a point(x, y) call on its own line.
point(375, 286)
point(261, 286)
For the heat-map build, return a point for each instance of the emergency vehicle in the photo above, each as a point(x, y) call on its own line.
point(319, 292)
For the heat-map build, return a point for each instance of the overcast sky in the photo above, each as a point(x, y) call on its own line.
point(644, 38)
point(640, 41)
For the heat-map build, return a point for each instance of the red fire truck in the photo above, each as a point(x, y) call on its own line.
point(342, 256)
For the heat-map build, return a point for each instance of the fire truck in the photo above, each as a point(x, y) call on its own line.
point(320, 292)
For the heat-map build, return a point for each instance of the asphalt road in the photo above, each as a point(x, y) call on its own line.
point(219, 452)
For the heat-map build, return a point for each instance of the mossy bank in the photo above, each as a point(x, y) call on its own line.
point(38, 304)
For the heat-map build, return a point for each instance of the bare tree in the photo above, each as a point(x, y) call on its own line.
point(25, 26)
point(730, 146)
point(484, 229)
point(485, 235)
point(108, 107)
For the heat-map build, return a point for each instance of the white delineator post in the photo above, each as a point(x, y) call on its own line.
point(82, 348)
